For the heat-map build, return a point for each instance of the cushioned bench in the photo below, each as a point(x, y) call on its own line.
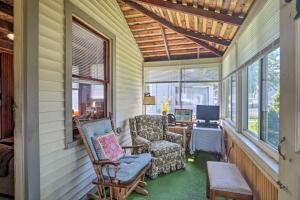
point(225, 180)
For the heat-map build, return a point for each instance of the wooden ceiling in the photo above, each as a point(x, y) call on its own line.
point(6, 25)
point(184, 29)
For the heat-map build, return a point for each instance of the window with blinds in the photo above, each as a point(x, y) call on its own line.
point(89, 72)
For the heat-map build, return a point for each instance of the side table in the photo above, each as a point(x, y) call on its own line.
point(185, 131)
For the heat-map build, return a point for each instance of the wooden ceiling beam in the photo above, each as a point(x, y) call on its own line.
point(165, 41)
point(207, 46)
point(182, 31)
point(189, 9)
point(6, 26)
point(178, 57)
point(6, 9)
point(196, 37)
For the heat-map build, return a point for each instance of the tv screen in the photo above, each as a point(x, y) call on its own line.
point(207, 113)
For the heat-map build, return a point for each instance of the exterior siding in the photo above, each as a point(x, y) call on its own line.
point(67, 173)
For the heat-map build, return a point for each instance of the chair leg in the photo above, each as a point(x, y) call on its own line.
point(143, 184)
point(212, 195)
point(121, 193)
point(141, 190)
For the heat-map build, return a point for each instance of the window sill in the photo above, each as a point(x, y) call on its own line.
point(268, 165)
point(74, 143)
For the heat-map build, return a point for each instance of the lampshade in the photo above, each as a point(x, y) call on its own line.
point(149, 100)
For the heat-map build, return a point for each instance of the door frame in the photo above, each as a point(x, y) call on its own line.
point(26, 97)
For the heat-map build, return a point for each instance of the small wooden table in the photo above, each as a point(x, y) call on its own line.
point(225, 180)
point(185, 131)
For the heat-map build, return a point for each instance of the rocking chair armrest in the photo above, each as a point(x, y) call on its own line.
point(134, 146)
point(106, 162)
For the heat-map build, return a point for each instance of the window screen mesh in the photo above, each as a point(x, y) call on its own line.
point(201, 74)
point(88, 53)
point(161, 75)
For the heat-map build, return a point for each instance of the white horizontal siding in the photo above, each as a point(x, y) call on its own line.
point(261, 31)
point(67, 174)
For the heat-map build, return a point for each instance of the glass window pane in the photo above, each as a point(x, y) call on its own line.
point(201, 74)
point(163, 92)
point(88, 101)
point(228, 98)
point(233, 98)
point(253, 97)
point(194, 94)
point(271, 98)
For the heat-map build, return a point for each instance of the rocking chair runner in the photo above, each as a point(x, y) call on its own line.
point(115, 179)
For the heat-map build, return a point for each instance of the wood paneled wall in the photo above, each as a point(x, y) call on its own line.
point(6, 93)
point(262, 187)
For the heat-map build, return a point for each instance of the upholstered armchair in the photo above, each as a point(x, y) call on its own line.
point(166, 147)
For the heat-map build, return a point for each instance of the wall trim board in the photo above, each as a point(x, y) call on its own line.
point(26, 96)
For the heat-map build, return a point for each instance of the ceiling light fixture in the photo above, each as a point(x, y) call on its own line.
point(11, 36)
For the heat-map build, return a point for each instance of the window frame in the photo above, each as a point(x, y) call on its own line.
point(106, 79)
point(268, 148)
point(229, 81)
point(71, 12)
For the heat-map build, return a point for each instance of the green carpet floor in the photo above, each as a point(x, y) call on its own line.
point(185, 184)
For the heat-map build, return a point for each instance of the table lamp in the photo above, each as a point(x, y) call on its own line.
point(148, 100)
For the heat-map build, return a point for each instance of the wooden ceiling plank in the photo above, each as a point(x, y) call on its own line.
point(233, 31)
point(170, 16)
point(219, 6)
point(232, 6)
point(165, 41)
point(196, 23)
point(213, 28)
point(223, 30)
point(164, 22)
point(195, 11)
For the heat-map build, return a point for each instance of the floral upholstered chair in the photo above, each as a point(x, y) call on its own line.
point(166, 147)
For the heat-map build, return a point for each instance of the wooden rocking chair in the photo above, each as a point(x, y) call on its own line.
point(111, 181)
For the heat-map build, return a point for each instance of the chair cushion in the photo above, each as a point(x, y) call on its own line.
point(108, 147)
point(226, 177)
point(130, 166)
point(96, 128)
point(163, 147)
point(98, 149)
point(149, 127)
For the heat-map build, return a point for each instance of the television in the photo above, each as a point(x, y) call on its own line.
point(207, 113)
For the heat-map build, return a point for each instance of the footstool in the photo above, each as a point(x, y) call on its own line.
point(225, 180)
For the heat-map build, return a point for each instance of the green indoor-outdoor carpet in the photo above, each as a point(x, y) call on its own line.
point(185, 184)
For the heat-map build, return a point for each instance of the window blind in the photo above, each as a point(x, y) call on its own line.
point(164, 74)
point(88, 53)
point(201, 74)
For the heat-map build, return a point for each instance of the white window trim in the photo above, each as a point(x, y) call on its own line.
point(268, 149)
